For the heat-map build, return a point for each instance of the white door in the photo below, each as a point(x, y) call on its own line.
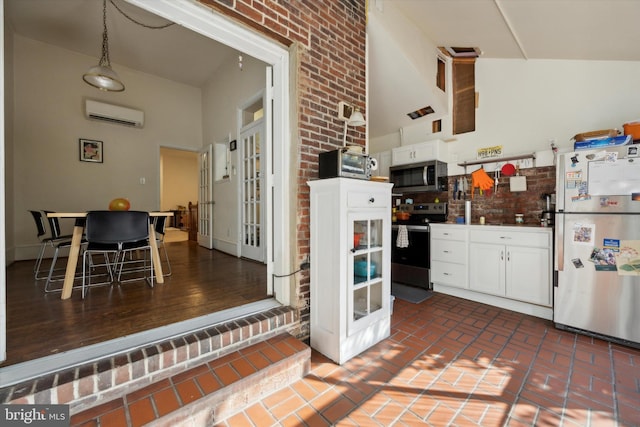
point(252, 232)
point(205, 198)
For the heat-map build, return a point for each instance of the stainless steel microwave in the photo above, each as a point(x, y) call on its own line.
point(344, 163)
point(424, 176)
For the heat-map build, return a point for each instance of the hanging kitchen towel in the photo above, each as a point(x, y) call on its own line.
point(403, 237)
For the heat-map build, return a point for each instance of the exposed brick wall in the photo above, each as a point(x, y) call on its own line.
point(331, 68)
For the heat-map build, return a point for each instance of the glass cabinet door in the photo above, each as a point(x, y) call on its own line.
point(365, 284)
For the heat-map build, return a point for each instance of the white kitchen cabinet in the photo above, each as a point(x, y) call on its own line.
point(430, 150)
point(506, 266)
point(350, 234)
point(449, 265)
point(514, 264)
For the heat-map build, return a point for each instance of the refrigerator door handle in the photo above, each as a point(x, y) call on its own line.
point(559, 243)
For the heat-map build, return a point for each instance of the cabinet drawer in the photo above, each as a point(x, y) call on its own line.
point(368, 199)
point(448, 273)
point(449, 251)
point(448, 233)
point(511, 238)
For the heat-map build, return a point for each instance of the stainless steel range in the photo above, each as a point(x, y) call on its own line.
point(410, 255)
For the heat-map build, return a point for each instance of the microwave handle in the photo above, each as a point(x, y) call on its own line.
point(424, 175)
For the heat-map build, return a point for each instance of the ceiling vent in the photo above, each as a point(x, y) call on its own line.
point(114, 114)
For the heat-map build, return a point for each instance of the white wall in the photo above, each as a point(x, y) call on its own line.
point(49, 119)
point(225, 92)
point(523, 105)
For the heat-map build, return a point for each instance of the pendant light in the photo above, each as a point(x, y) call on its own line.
point(102, 75)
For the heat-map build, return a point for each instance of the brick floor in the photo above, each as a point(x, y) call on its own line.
point(448, 362)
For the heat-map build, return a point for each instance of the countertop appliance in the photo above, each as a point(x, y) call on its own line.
point(424, 176)
point(344, 162)
point(597, 244)
point(410, 265)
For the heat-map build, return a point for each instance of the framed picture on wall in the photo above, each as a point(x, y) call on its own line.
point(90, 151)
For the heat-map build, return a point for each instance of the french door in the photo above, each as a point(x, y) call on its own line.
point(253, 232)
point(205, 198)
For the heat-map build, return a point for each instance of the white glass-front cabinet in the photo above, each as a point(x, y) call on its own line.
point(350, 265)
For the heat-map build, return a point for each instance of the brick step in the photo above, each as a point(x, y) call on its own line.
point(85, 386)
point(210, 392)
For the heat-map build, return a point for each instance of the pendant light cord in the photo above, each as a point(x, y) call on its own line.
point(159, 27)
point(104, 59)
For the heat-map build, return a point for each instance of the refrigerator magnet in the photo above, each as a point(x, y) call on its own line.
point(577, 263)
point(583, 234)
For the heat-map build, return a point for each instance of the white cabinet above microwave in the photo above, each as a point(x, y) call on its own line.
point(415, 153)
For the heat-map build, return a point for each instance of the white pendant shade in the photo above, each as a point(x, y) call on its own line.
point(104, 78)
point(357, 119)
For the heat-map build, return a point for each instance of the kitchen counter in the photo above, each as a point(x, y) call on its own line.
point(502, 225)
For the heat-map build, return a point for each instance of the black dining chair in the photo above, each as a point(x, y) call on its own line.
point(116, 233)
point(49, 237)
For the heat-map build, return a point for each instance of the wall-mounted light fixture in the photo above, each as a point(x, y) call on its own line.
point(351, 116)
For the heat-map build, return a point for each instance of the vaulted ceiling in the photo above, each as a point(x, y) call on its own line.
point(524, 29)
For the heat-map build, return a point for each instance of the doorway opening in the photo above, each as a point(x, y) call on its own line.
point(198, 19)
point(178, 188)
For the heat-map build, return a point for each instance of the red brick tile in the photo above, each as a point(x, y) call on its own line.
point(225, 359)
point(117, 418)
point(226, 374)
point(441, 416)
point(272, 354)
point(312, 417)
point(288, 405)
point(191, 373)
point(239, 420)
point(338, 410)
point(166, 401)
point(141, 412)
point(258, 360)
point(208, 383)
point(188, 391)
point(96, 411)
point(259, 416)
point(243, 367)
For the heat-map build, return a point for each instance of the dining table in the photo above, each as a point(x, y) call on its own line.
point(76, 241)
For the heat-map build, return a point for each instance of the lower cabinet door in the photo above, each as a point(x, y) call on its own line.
point(486, 268)
point(528, 275)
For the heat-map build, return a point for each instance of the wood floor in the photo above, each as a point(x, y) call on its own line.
point(203, 281)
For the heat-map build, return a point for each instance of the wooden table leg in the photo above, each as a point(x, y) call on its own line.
point(155, 254)
point(72, 261)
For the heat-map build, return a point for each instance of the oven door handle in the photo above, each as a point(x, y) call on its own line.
point(416, 228)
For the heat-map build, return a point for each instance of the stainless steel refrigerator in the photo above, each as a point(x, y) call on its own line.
point(597, 243)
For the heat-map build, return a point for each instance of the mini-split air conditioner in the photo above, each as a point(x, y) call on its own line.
point(114, 114)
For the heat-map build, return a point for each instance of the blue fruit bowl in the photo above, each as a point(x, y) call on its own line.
point(360, 269)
